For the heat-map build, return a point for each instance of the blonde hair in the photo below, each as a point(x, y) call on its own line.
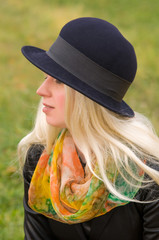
point(114, 142)
point(42, 133)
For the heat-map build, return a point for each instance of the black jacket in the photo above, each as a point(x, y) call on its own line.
point(133, 221)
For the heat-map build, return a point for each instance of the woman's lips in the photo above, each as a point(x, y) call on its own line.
point(47, 108)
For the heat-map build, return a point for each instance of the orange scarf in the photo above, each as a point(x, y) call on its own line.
point(60, 188)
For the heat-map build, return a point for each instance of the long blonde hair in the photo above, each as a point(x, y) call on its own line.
point(106, 138)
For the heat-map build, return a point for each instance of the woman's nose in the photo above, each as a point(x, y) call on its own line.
point(44, 89)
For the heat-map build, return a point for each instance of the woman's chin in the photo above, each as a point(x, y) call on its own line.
point(55, 124)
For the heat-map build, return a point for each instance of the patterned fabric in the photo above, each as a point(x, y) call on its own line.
point(63, 190)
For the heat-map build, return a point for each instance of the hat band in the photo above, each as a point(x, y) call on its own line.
point(87, 70)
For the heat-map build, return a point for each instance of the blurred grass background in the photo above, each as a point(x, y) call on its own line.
point(38, 23)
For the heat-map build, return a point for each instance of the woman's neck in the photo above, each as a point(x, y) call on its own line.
point(80, 154)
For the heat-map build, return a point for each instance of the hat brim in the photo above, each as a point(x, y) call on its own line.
point(41, 60)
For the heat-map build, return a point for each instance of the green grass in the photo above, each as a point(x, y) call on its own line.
point(37, 23)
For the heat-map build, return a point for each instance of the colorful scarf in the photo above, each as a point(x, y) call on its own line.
point(63, 190)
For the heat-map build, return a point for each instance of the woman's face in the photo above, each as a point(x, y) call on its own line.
point(53, 93)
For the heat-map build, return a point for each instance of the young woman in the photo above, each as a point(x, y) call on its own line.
point(91, 163)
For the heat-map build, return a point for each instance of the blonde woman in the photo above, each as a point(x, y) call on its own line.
point(91, 163)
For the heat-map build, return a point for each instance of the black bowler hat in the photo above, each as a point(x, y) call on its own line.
point(91, 56)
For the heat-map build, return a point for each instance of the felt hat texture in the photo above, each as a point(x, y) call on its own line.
point(91, 56)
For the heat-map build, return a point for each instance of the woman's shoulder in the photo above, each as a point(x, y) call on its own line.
point(32, 157)
point(34, 152)
point(149, 192)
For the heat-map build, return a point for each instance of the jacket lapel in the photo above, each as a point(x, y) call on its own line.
point(98, 226)
point(80, 232)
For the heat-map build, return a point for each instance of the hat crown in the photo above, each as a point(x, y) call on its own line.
point(103, 43)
